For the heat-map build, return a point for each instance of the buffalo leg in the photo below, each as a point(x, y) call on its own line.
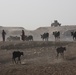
point(19, 60)
point(62, 54)
point(13, 60)
point(57, 55)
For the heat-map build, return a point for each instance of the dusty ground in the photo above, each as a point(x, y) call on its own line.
point(39, 58)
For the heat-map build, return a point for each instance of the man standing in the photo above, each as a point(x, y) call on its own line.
point(3, 35)
point(23, 35)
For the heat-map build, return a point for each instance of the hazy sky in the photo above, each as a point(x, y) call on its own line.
point(32, 14)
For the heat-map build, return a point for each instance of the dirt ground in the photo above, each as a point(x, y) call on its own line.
point(39, 58)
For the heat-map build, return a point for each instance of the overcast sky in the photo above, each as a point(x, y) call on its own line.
point(32, 14)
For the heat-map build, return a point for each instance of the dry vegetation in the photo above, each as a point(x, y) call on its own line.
point(39, 58)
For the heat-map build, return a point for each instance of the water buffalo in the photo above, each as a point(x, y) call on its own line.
point(16, 54)
point(74, 35)
point(61, 51)
point(13, 38)
point(45, 36)
point(29, 38)
point(56, 35)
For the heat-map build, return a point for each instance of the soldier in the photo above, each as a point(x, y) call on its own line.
point(3, 35)
point(23, 35)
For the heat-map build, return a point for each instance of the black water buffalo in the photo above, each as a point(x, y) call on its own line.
point(45, 36)
point(16, 54)
point(61, 51)
point(29, 38)
point(56, 35)
point(74, 35)
point(13, 38)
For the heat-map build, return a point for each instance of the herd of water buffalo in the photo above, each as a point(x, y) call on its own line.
point(44, 36)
